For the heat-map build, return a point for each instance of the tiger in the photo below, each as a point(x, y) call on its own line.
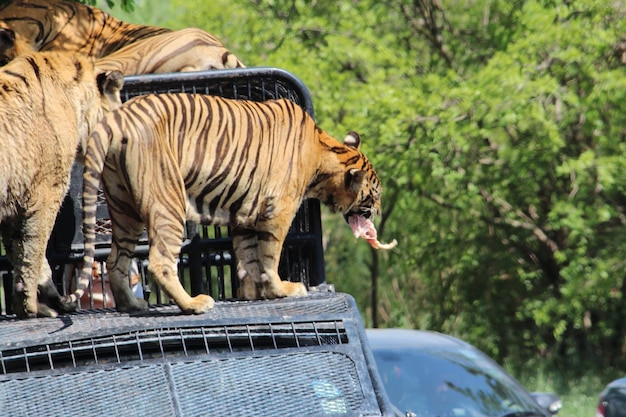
point(164, 158)
point(71, 26)
point(50, 101)
point(183, 50)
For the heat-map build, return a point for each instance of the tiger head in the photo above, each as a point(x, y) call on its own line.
point(361, 202)
point(362, 186)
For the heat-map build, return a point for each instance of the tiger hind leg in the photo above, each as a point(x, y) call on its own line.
point(165, 235)
point(123, 246)
point(245, 243)
point(126, 228)
point(25, 239)
point(118, 265)
point(259, 253)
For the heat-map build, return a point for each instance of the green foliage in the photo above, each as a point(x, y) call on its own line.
point(497, 129)
point(125, 5)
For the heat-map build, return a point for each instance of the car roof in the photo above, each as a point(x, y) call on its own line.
point(407, 338)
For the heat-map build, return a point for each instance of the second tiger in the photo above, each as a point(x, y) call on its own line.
point(170, 157)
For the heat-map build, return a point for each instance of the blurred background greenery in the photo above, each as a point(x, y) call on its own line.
point(498, 130)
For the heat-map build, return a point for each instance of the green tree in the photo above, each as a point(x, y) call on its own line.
point(126, 5)
point(497, 129)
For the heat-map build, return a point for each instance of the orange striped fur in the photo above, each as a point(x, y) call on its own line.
point(170, 157)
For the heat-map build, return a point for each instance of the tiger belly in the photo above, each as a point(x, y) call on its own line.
point(258, 232)
point(219, 218)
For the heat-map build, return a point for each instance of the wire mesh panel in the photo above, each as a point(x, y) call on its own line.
point(207, 263)
point(288, 357)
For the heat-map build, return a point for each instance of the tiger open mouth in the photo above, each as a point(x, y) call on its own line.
point(363, 227)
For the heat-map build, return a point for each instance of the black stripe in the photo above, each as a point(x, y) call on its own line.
point(36, 69)
point(20, 76)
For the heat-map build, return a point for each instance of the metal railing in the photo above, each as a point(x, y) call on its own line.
point(207, 263)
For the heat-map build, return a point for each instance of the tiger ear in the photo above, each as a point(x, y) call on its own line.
point(7, 38)
point(110, 82)
point(353, 140)
point(354, 179)
point(7, 45)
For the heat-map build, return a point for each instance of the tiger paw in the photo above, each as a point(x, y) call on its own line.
point(279, 289)
point(199, 304)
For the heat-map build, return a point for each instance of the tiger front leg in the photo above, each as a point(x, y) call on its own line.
point(272, 235)
point(259, 253)
point(166, 276)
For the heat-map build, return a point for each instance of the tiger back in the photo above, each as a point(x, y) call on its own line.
point(183, 50)
point(49, 25)
point(170, 157)
point(49, 103)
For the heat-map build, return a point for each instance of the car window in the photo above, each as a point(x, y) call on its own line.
point(448, 384)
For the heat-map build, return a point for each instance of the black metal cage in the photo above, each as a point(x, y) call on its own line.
point(305, 356)
point(207, 263)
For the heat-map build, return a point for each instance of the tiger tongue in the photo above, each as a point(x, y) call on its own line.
point(362, 227)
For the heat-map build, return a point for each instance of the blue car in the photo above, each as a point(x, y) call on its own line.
point(429, 374)
point(612, 402)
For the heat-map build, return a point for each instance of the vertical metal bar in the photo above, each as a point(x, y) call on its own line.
point(72, 354)
point(221, 279)
point(117, 352)
point(338, 334)
point(295, 334)
point(208, 267)
point(158, 331)
point(250, 337)
point(318, 274)
point(182, 341)
point(206, 342)
point(234, 276)
point(49, 356)
point(103, 286)
point(273, 336)
point(7, 283)
point(317, 334)
point(138, 345)
point(230, 347)
point(94, 351)
point(195, 264)
point(26, 359)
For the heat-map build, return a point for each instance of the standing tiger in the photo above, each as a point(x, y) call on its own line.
point(129, 48)
point(49, 101)
point(179, 51)
point(71, 26)
point(170, 157)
